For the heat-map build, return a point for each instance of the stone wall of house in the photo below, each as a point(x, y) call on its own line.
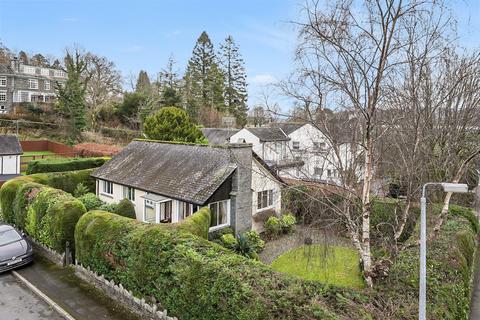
point(241, 195)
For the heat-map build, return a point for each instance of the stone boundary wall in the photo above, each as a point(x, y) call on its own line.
point(119, 293)
point(114, 291)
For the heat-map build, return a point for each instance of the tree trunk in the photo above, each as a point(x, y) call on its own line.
point(366, 206)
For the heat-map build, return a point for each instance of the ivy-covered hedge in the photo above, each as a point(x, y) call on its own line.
point(196, 279)
point(63, 164)
point(450, 261)
point(47, 214)
point(66, 181)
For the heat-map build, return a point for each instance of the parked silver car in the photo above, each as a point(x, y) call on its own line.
point(15, 250)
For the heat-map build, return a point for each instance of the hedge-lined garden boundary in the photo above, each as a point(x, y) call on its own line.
point(197, 279)
point(63, 164)
point(43, 206)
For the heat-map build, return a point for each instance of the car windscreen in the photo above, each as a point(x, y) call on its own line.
point(9, 236)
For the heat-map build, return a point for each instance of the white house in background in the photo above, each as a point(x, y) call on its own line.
point(10, 153)
point(296, 150)
point(168, 182)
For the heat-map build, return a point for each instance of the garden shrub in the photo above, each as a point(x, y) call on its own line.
point(273, 226)
point(91, 201)
point(288, 223)
point(125, 208)
point(229, 241)
point(197, 224)
point(176, 268)
point(63, 164)
point(66, 181)
point(80, 190)
point(24, 196)
point(109, 207)
point(254, 241)
point(8, 192)
point(217, 234)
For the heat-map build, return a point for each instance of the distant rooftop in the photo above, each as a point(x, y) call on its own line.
point(266, 134)
point(218, 136)
point(9, 145)
point(287, 127)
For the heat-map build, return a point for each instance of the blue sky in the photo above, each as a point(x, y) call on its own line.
point(143, 34)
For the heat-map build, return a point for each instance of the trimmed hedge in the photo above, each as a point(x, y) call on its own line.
point(66, 181)
point(197, 224)
point(125, 208)
point(45, 213)
point(196, 279)
point(63, 164)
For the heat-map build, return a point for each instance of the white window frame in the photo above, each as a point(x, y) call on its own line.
point(33, 84)
point(59, 74)
point(46, 84)
point(22, 94)
point(29, 69)
point(181, 205)
point(45, 72)
point(105, 188)
point(296, 145)
point(220, 226)
point(269, 196)
point(3, 81)
point(319, 169)
point(3, 94)
point(152, 205)
point(129, 193)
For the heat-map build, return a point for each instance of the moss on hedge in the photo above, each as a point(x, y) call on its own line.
point(197, 279)
point(63, 164)
point(8, 192)
point(197, 224)
point(66, 181)
point(25, 194)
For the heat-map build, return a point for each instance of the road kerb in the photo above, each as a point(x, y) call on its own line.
point(42, 295)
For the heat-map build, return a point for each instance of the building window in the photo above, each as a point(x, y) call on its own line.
point(166, 212)
point(149, 214)
point(220, 213)
point(264, 199)
point(3, 81)
point(2, 109)
point(59, 74)
point(319, 146)
point(278, 147)
point(296, 145)
point(47, 85)
point(45, 72)
point(3, 96)
point(184, 210)
point(32, 84)
point(23, 96)
point(30, 70)
point(107, 187)
point(317, 171)
point(129, 193)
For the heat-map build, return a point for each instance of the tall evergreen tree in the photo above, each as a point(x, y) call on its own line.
point(143, 83)
point(169, 83)
point(233, 68)
point(203, 79)
point(71, 95)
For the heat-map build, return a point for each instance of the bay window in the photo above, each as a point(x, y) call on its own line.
point(220, 213)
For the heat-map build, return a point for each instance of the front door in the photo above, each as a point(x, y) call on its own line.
point(166, 212)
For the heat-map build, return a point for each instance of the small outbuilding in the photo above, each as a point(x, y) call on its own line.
point(10, 153)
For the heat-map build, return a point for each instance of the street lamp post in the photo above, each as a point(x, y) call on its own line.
point(422, 296)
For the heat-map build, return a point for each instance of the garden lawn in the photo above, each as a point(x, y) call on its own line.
point(327, 264)
point(36, 153)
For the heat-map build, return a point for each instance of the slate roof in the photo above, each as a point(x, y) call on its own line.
point(288, 127)
point(191, 173)
point(9, 145)
point(218, 136)
point(268, 134)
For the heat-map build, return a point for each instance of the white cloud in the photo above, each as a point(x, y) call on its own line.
point(262, 79)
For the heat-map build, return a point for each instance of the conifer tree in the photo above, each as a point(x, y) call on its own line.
point(203, 79)
point(235, 92)
point(143, 83)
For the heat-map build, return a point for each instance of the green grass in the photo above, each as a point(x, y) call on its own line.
point(36, 153)
point(327, 264)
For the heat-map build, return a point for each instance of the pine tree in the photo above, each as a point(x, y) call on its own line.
point(203, 79)
point(169, 84)
point(233, 68)
point(143, 83)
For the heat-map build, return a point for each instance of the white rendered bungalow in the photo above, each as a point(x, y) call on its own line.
point(167, 182)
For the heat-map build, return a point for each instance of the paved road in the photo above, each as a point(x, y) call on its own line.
point(18, 302)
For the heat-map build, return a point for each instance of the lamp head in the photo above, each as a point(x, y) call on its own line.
point(455, 187)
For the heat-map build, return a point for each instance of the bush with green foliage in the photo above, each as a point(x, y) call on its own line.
point(172, 124)
point(80, 190)
point(91, 201)
point(176, 268)
point(273, 226)
point(288, 223)
point(450, 263)
point(229, 241)
point(63, 164)
point(66, 181)
point(197, 224)
point(125, 208)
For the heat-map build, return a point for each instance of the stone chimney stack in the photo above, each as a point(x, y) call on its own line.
point(241, 195)
point(14, 64)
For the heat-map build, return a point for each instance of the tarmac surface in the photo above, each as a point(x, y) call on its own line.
point(18, 302)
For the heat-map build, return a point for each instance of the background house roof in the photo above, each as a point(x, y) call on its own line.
point(218, 136)
point(268, 134)
point(10, 145)
point(288, 127)
point(191, 173)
